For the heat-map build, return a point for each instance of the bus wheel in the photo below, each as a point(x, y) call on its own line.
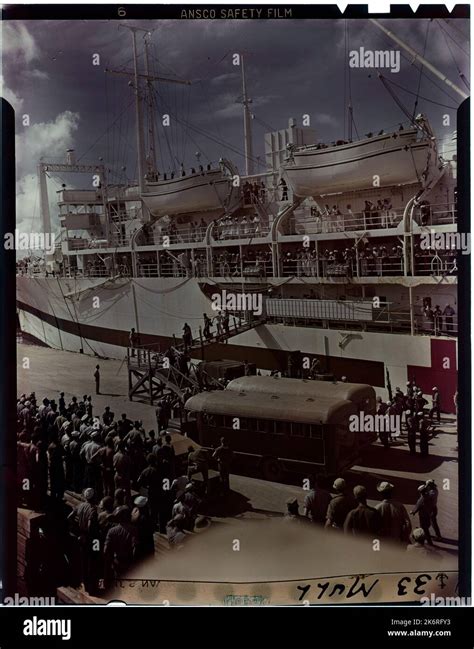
point(271, 469)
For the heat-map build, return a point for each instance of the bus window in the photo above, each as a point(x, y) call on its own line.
point(266, 426)
point(210, 419)
point(316, 431)
point(244, 423)
point(299, 429)
point(253, 425)
point(282, 427)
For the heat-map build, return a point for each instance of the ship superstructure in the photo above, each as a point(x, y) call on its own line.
point(341, 263)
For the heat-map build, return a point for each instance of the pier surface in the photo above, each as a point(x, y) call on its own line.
point(50, 372)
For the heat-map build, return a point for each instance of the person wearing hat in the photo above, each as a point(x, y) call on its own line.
point(103, 457)
point(420, 401)
point(149, 482)
point(425, 426)
point(340, 505)
point(424, 509)
point(395, 521)
point(141, 519)
point(108, 416)
point(432, 493)
point(418, 545)
point(436, 404)
point(56, 469)
point(97, 379)
point(198, 462)
point(122, 468)
point(363, 519)
point(89, 456)
point(85, 520)
point(316, 501)
point(62, 403)
point(412, 429)
point(175, 531)
point(120, 546)
point(224, 455)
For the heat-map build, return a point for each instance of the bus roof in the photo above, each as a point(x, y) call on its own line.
point(301, 409)
point(355, 392)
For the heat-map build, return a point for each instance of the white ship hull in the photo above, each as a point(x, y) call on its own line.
point(61, 314)
point(387, 160)
point(199, 192)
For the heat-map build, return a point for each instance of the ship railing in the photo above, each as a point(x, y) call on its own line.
point(313, 221)
point(181, 236)
point(437, 265)
point(250, 269)
point(96, 272)
point(249, 230)
point(365, 267)
point(436, 214)
point(364, 314)
point(88, 244)
point(148, 270)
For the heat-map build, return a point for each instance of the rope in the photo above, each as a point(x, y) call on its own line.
point(460, 72)
point(421, 68)
point(431, 101)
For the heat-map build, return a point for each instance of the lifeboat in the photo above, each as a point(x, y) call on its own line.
point(200, 191)
point(384, 160)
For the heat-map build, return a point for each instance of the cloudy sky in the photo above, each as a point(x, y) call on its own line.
point(293, 68)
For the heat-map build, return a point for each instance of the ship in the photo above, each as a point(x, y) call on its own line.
point(338, 261)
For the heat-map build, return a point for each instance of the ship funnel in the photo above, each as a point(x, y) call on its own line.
point(70, 157)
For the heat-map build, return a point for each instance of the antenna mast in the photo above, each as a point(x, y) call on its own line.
point(247, 124)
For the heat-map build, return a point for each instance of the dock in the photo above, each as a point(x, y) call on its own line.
point(51, 371)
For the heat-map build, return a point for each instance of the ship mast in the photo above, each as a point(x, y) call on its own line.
point(141, 164)
point(421, 59)
point(151, 155)
point(139, 117)
point(246, 101)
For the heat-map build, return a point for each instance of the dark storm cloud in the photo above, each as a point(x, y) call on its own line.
point(293, 68)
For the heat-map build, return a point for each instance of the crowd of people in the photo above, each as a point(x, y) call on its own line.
point(129, 482)
point(374, 216)
point(411, 407)
point(348, 511)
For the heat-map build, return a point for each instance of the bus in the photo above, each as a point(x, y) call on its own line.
point(275, 432)
point(362, 395)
